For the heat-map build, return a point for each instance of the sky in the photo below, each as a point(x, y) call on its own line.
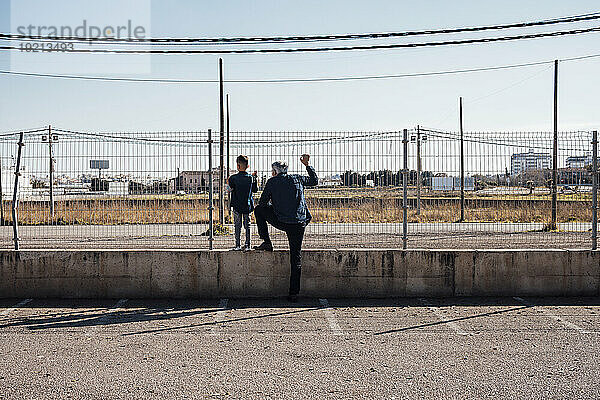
point(507, 100)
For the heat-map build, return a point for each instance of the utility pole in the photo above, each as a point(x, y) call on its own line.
point(418, 170)
point(51, 171)
point(462, 164)
point(221, 147)
point(555, 150)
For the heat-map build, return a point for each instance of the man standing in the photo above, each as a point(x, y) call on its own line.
point(287, 211)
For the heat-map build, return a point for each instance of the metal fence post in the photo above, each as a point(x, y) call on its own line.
point(210, 193)
point(15, 203)
point(228, 205)
point(1, 192)
point(405, 193)
point(51, 171)
point(418, 170)
point(462, 165)
point(595, 190)
point(553, 224)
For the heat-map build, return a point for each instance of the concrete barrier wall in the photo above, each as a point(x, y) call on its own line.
point(326, 273)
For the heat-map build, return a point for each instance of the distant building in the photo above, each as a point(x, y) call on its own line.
point(8, 182)
point(522, 162)
point(574, 176)
point(330, 182)
point(196, 181)
point(579, 161)
point(451, 183)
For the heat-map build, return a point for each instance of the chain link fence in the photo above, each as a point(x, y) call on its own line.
point(446, 190)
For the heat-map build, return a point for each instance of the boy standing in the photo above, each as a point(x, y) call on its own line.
point(242, 185)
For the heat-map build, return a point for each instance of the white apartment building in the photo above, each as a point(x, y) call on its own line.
point(522, 162)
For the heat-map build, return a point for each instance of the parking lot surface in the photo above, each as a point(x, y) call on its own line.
point(314, 349)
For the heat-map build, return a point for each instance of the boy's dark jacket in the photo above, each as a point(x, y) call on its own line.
point(243, 185)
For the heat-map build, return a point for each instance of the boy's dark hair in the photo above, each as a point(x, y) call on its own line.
point(242, 160)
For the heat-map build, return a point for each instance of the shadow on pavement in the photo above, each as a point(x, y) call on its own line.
point(88, 313)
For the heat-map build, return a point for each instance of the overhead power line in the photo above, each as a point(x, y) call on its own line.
point(293, 80)
point(310, 38)
point(324, 49)
point(135, 137)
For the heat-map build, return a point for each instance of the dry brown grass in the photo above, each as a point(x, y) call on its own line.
point(382, 210)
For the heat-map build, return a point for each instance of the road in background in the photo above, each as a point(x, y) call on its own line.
point(422, 235)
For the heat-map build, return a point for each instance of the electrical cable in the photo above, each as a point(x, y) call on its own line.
point(311, 38)
point(294, 80)
point(322, 49)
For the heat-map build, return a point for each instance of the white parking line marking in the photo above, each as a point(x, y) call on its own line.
point(333, 325)
point(119, 304)
point(568, 324)
point(442, 317)
point(13, 308)
point(221, 311)
point(103, 319)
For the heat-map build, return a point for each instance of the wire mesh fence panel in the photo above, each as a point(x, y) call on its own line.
point(507, 190)
point(112, 190)
point(151, 190)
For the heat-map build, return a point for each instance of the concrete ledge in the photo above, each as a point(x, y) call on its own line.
point(326, 273)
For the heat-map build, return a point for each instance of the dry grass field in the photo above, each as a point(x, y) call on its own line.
point(327, 206)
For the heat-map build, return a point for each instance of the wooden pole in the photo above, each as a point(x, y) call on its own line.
point(15, 202)
point(221, 147)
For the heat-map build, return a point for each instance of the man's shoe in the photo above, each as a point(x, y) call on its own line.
point(292, 298)
point(247, 248)
point(266, 246)
point(237, 248)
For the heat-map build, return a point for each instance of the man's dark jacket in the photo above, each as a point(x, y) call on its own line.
point(286, 193)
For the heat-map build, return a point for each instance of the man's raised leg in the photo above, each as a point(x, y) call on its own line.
point(262, 215)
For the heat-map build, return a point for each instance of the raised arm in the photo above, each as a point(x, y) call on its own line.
point(312, 179)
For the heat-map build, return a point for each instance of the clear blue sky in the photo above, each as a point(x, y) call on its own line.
point(518, 99)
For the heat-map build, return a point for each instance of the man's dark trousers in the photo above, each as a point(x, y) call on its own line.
point(295, 235)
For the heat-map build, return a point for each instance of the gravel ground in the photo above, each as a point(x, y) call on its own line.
point(434, 240)
point(268, 349)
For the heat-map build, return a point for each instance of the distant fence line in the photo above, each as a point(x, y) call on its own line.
point(152, 188)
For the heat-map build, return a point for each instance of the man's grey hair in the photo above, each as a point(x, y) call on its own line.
point(280, 167)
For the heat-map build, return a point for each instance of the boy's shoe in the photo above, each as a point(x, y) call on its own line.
point(237, 248)
point(247, 248)
point(266, 246)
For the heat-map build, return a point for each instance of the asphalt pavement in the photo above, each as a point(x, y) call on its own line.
point(517, 348)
